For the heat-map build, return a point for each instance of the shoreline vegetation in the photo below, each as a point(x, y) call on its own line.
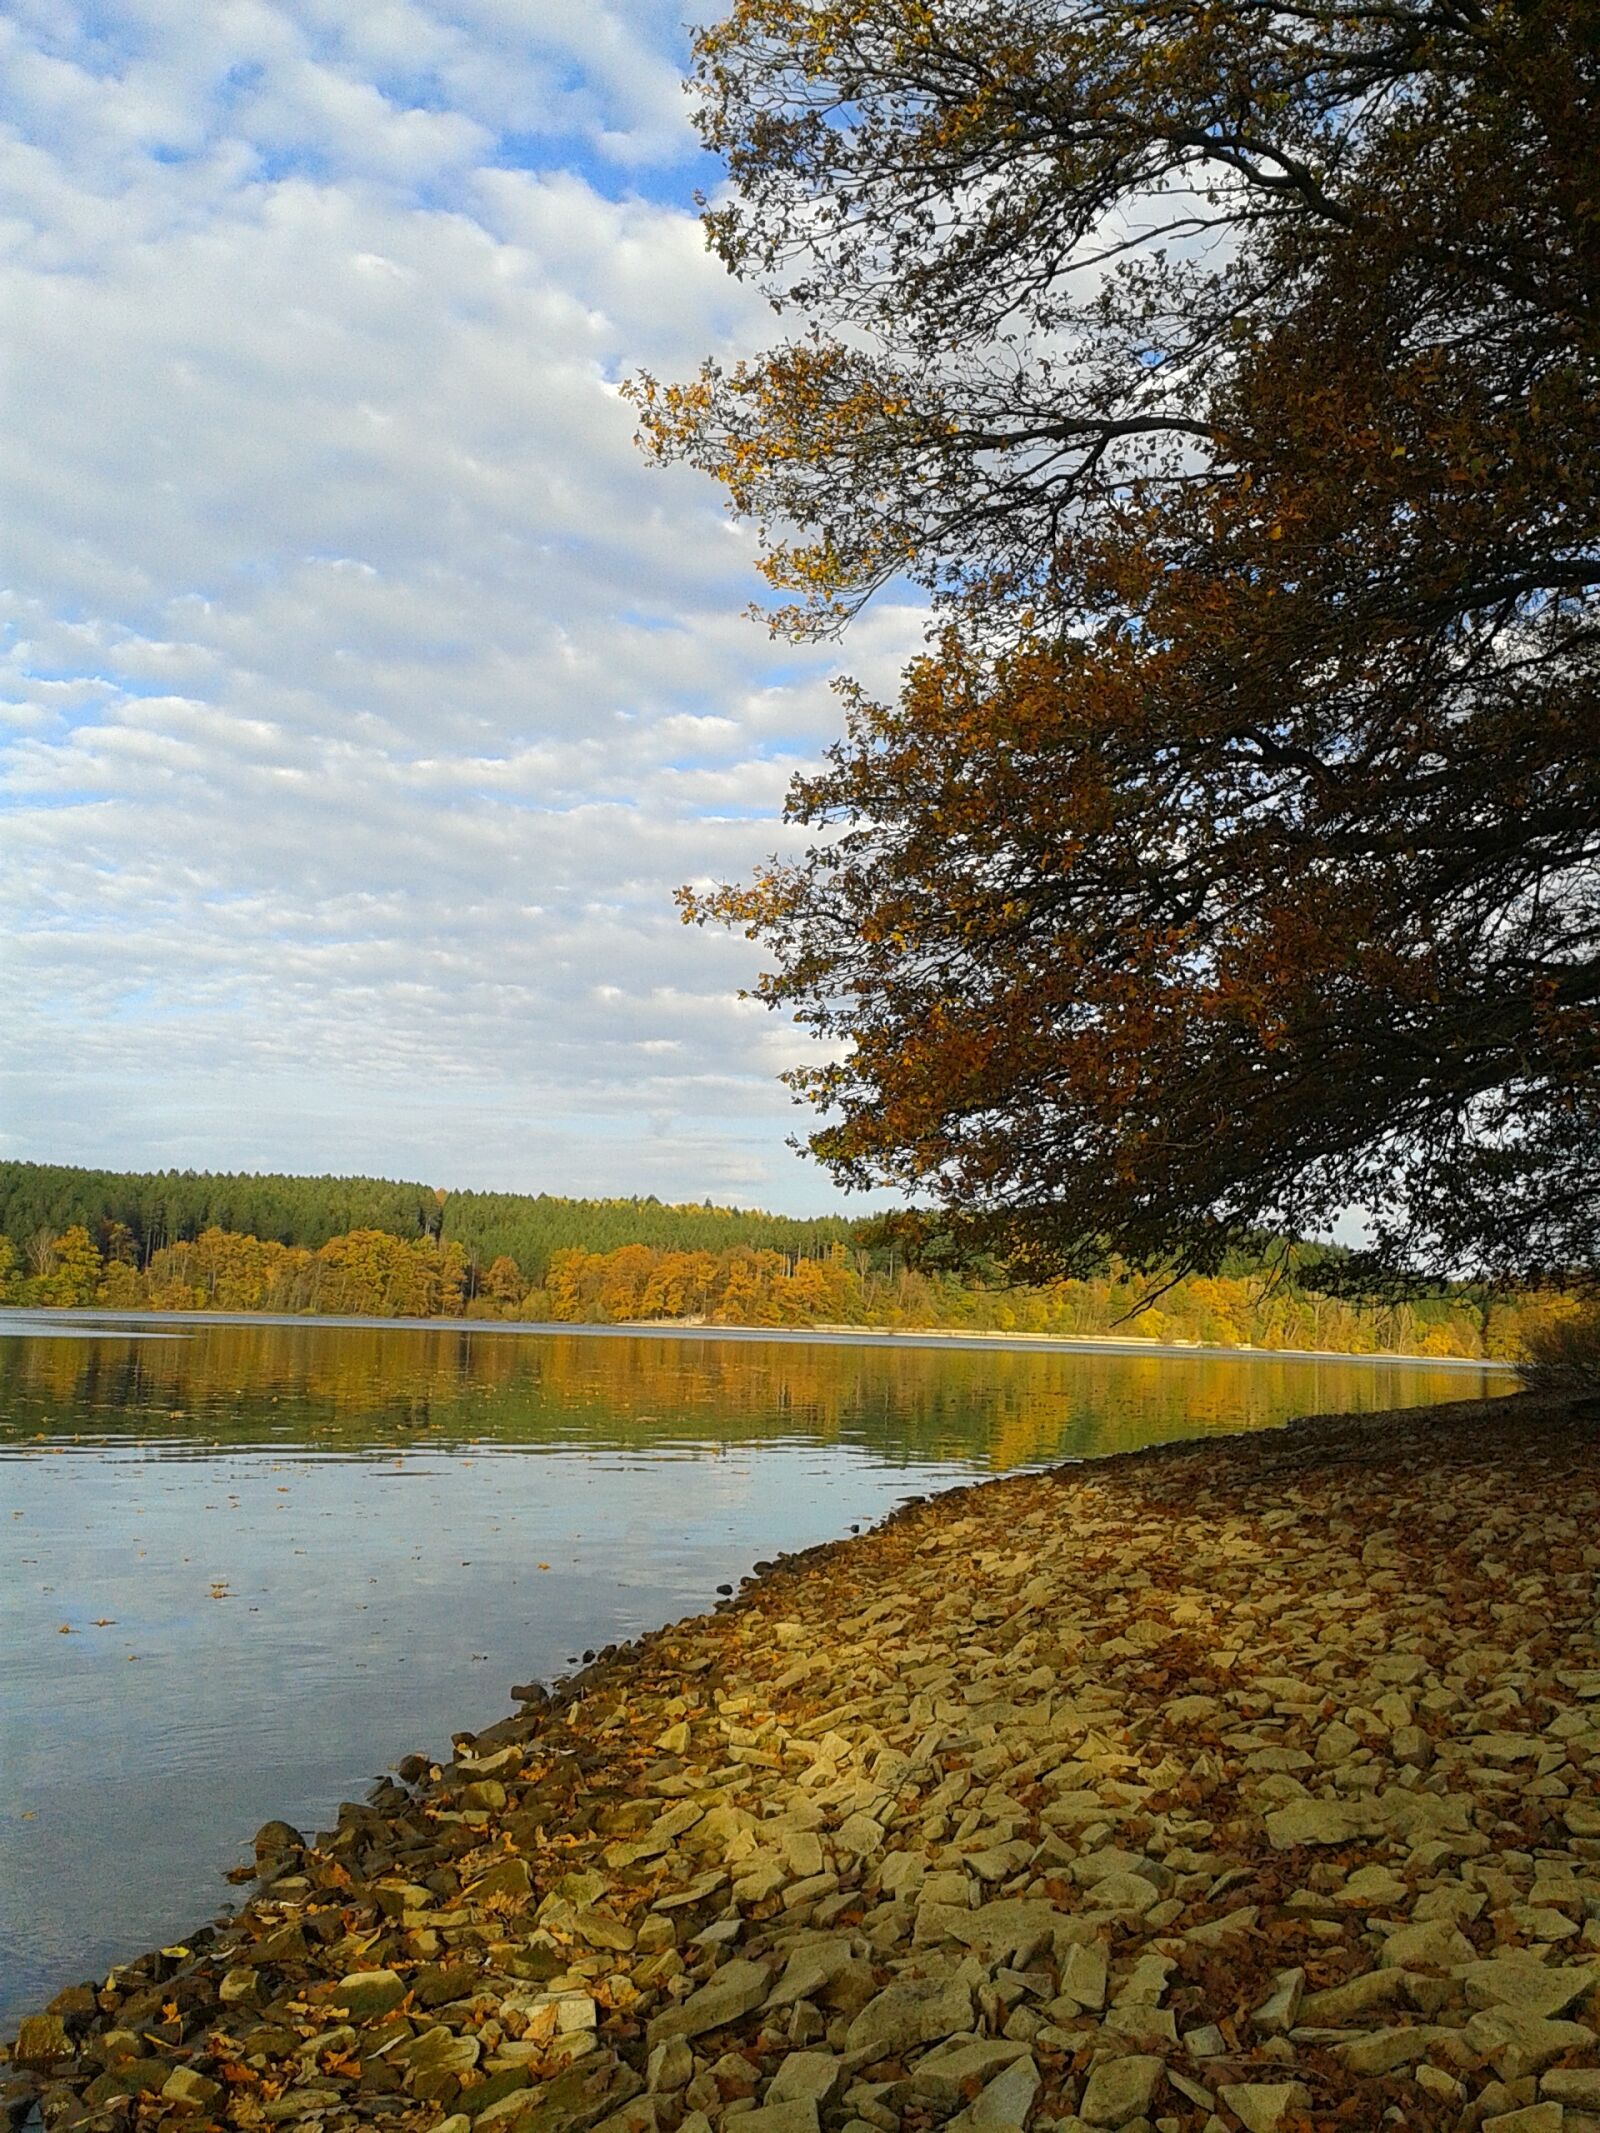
point(372, 1274)
point(1246, 1785)
point(373, 1248)
point(977, 1337)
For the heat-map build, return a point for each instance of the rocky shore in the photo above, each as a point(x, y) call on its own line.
point(1251, 1784)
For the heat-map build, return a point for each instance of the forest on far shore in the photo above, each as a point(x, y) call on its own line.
point(158, 1241)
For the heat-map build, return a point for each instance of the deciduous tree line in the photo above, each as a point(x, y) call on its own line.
point(372, 1274)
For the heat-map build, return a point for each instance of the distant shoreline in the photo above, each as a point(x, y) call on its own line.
point(16, 1319)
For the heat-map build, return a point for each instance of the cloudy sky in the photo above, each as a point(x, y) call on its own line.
point(364, 693)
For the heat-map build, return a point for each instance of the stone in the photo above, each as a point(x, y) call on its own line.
point(40, 2041)
point(1522, 1981)
point(195, 2092)
point(1007, 2100)
point(996, 1929)
point(1530, 2118)
point(1142, 2024)
point(579, 2098)
point(736, 1989)
point(670, 2066)
point(1341, 2005)
point(1280, 2009)
point(637, 2116)
point(507, 1877)
point(238, 1987)
point(799, 2115)
point(1437, 2082)
point(602, 1928)
point(1577, 2087)
point(1262, 2106)
point(1516, 2043)
point(860, 1835)
point(1215, 1931)
point(908, 2013)
point(1314, 1822)
point(817, 2076)
point(811, 1968)
point(1125, 1894)
point(364, 1993)
point(1434, 1944)
point(497, 2099)
point(735, 2076)
point(437, 2050)
point(1146, 1983)
point(1083, 1974)
point(945, 2074)
point(1206, 2042)
point(1336, 1743)
point(998, 1861)
point(1120, 2089)
point(802, 1851)
point(273, 1840)
point(572, 2010)
point(1382, 2050)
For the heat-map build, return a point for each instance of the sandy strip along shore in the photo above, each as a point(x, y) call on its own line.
point(1247, 1784)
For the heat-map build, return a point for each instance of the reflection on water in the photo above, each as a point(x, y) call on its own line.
point(247, 1567)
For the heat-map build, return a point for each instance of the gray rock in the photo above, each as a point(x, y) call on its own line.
point(1515, 2043)
point(370, 1992)
point(1578, 2087)
point(946, 2074)
point(1315, 1822)
point(1083, 1974)
point(1005, 2101)
point(41, 2040)
point(816, 2076)
point(670, 2067)
point(437, 2050)
point(274, 1839)
point(736, 1989)
point(1262, 2106)
point(1382, 2050)
point(1530, 2118)
point(1279, 2011)
point(1120, 2089)
point(1431, 1944)
point(1523, 1982)
point(811, 1968)
point(799, 2115)
point(194, 2092)
point(1124, 1894)
point(908, 2013)
point(1348, 2004)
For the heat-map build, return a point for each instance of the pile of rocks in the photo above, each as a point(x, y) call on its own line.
point(1251, 1786)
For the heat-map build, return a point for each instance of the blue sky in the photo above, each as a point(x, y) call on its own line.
point(363, 694)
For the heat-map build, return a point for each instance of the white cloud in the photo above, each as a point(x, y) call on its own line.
point(362, 694)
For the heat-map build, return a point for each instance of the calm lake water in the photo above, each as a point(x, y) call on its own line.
point(248, 1566)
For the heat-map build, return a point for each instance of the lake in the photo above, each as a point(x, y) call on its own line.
point(249, 1565)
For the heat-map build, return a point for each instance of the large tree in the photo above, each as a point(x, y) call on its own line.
point(1229, 371)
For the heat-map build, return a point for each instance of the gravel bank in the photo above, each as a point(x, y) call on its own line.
point(1251, 1784)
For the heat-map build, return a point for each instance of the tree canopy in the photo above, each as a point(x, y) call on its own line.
point(134, 1214)
point(1227, 371)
